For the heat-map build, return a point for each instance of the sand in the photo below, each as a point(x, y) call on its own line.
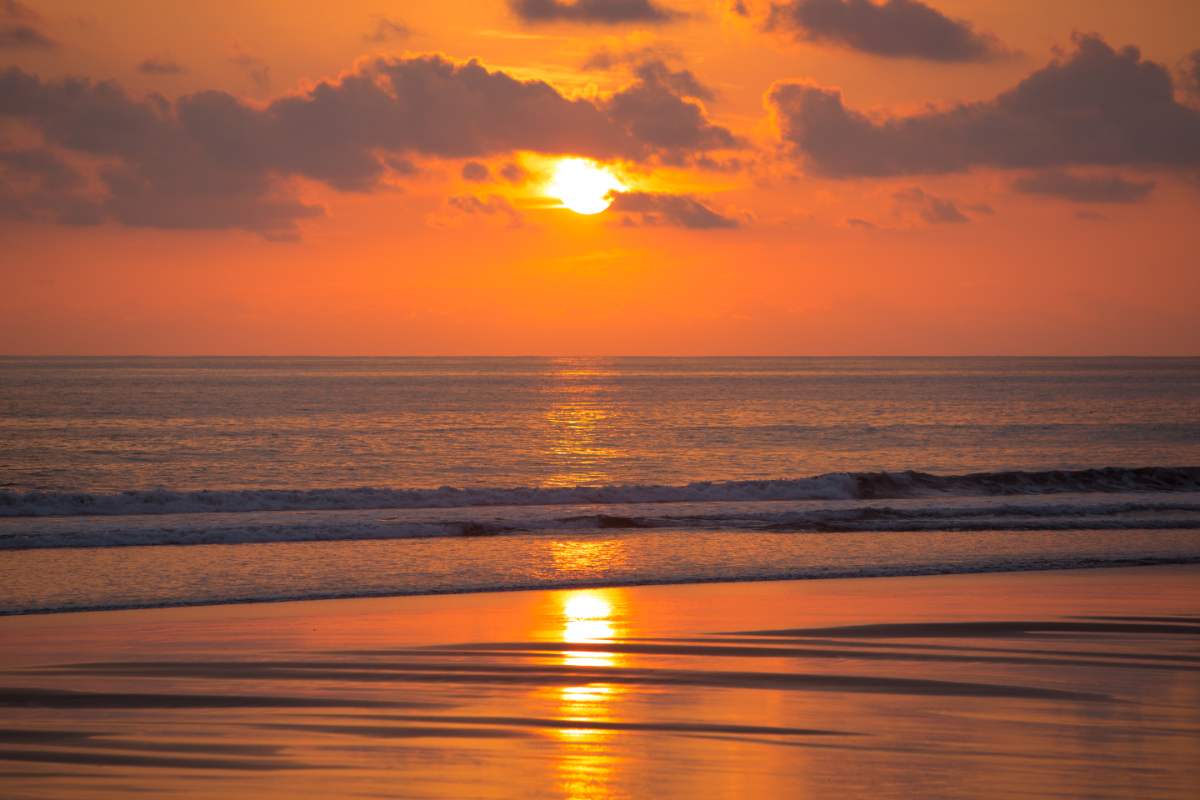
point(1041, 684)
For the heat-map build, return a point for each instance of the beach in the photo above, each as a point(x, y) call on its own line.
point(1054, 683)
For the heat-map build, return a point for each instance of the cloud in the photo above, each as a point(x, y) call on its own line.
point(18, 28)
point(160, 66)
point(212, 160)
point(474, 171)
point(42, 165)
point(400, 166)
point(681, 82)
point(39, 185)
point(1097, 106)
point(604, 12)
point(514, 173)
point(492, 205)
point(661, 109)
point(608, 58)
point(1189, 75)
point(893, 28)
point(256, 70)
point(861, 224)
point(928, 207)
point(681, 210)
point(1084, 188)
point(387, 30)
point(16, 10)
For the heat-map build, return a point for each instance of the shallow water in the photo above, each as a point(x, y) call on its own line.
point(300, 477)
point(137, 577)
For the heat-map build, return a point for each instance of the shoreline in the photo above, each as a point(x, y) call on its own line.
point(1098, 564)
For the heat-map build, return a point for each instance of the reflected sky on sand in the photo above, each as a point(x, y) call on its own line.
point(1081, 684)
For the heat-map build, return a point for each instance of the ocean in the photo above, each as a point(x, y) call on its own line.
point(135, 482)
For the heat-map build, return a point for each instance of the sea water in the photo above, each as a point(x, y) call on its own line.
point(336, 477)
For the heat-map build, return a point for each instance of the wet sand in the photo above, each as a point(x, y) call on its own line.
point(1041, 684)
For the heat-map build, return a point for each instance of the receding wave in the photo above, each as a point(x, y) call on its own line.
point(834, 486)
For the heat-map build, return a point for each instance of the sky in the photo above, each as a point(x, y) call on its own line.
point(802, 177)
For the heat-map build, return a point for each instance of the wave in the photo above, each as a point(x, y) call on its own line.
point(833, 486)
point(928, 516)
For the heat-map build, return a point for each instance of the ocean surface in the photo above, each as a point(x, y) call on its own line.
point(304, 477)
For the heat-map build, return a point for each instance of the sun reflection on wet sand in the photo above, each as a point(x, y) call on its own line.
point(586, 763)
point(587, 618)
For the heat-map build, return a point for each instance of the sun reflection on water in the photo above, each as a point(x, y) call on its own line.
point(577, 420)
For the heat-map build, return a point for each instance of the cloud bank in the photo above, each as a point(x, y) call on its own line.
point(894, 29)
point(1097, 106)
point(1084, 188)
point(212, 160)
point(603, 12)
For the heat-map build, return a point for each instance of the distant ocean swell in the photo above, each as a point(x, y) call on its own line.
point(834, 486)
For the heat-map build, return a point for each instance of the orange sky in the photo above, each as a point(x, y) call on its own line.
point(939, 209)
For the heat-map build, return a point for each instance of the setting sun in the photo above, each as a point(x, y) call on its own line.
point(583, 186)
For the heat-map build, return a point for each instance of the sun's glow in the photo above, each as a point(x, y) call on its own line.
point(583, 186)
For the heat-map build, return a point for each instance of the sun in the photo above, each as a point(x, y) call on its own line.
point(583, 186)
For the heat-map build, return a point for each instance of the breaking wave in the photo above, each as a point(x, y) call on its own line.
point(834, 486)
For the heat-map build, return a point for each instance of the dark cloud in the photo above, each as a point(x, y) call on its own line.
point(400, 166)
point(492, 205)
point(608, 58)
point(211, 160)
point(42, 165)
point(861, 224)
point(681, 210)
point(930, 208)
point(514, 173)
point(36, 184)
point(740, 8)
point(160, 66)
point(24, 37)
point(1097, 106)
point(387, 30)
point(1084, 188)
point(19, 28)
point(661, 109)
point(893, 28)
point(16, 10)
point(1189, 75)
point(474, 171)
point(681, 82)
point(605, 12)
point(721, 165)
